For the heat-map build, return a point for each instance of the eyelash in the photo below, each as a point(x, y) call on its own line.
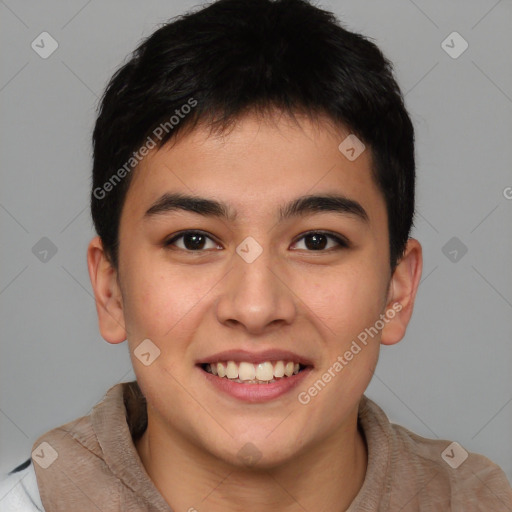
point(341, 241)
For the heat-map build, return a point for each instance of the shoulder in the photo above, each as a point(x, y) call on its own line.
point(22, 488)
point(450, 457)
point(75, 435)
point(425, 472)
point(19, 490)
point(447, 468)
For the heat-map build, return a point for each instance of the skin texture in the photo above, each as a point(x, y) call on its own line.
point(292, 297)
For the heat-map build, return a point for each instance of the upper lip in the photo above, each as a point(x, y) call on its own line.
point(256, 357)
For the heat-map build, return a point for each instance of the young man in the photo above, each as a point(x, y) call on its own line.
point(253, 195)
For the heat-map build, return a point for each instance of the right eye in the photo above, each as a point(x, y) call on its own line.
point(193, 241)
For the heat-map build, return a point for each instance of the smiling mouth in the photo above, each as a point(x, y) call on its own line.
point(248, 373)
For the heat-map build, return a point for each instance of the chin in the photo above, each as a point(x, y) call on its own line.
point(258, 451)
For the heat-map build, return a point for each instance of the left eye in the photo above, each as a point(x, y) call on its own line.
point(195, 241)
point(318, 240)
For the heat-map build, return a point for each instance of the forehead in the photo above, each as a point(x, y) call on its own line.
point(256, 167)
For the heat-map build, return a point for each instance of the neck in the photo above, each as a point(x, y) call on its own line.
point(326, 477)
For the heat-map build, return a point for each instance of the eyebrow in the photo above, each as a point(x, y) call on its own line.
point(298, 207)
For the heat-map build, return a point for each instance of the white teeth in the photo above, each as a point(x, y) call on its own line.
point(232, 370)
point(246, 371)
point(279, 369)
point(264, 371)
point(250, 373)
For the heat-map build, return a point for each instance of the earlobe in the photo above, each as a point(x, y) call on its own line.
point(402, 293)
point(107, 293)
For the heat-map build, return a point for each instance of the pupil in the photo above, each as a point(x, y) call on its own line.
point(197, 241)
point(316, 243)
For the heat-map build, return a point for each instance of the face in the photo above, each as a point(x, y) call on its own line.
point(250, 287)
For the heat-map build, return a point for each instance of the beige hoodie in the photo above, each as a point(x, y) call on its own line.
point(91, 464)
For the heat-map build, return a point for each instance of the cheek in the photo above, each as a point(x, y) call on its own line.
point(346, 301)
point(162, 301)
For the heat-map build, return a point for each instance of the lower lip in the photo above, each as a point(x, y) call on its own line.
point(256, 393)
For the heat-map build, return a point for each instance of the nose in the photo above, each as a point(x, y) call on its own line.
point(257, 296)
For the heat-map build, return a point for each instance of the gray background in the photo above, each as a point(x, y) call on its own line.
point(449, 378)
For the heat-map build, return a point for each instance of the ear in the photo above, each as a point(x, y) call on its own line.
point(402, 293)
point(107, 293)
